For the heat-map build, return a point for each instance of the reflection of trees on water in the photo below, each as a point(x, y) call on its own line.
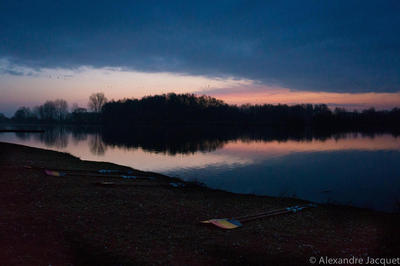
point(78, 136)
point(190, 139)
point(54, 137)
point(179, 139)
point(96, 145)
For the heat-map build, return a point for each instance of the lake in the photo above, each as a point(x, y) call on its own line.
point(352, 168)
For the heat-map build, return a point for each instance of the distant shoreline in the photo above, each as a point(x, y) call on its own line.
point(189, 109)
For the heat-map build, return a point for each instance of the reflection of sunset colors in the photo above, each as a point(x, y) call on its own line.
point(254, 149)
point(285, 96)
point(231, 154)
point(92, 148)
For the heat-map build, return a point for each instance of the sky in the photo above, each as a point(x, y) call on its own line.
point(343, 53)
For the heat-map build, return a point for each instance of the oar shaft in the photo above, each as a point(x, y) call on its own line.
point(235, 222)
point(258, 214)
point(59, 173)
point(263, 216)
point(102, 175)
point(283, 211)
point(78, 170)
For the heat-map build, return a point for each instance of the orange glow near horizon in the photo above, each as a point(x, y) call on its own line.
point(286, 96)
point(76, 85)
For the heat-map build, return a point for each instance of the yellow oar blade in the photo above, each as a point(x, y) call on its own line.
point(53, 173)
point(224, 223)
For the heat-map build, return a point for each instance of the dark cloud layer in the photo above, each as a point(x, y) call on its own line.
point(306, 45)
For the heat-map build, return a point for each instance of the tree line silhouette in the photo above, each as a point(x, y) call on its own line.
point(190, 109)
point(56, 112)
point(170, 109)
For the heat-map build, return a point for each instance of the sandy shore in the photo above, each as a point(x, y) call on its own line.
point(71, 220)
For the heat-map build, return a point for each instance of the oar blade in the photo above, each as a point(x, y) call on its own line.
point(53, 173)
point(224, 223)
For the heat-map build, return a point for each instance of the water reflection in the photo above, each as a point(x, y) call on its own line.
point(190, 140)
point(96, 145)
point(78, 136)
point(347, 168)
point(184, 140)
point(56, 137)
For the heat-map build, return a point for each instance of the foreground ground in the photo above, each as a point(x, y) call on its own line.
point(70, 220)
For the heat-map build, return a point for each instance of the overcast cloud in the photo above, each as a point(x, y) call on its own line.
point(340, 46)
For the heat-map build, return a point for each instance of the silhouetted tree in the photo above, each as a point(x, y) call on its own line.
point(96, 101)
point(61, 109)
point(47, 111)
point(23, 114)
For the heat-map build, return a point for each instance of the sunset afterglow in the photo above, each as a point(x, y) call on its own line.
point(33, 87)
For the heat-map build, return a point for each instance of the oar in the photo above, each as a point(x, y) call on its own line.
point(259, 214)
point(115, 184)
point(59, 173)
point(235, 220)
point(231, 223)
point(101, 171)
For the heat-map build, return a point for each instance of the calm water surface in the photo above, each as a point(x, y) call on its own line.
point(350, 169)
